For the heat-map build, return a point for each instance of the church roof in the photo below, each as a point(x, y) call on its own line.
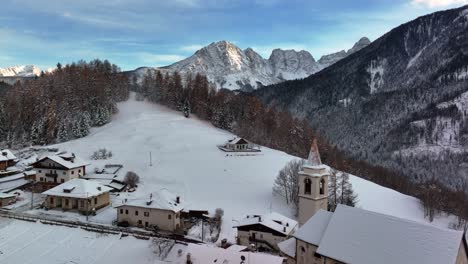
point(313, 230)
point(314, 155)
point(358, 236)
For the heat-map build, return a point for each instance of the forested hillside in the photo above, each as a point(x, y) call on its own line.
point(398, 103)
point(61, 105)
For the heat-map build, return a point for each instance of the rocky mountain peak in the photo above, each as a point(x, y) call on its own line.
point(327, 60)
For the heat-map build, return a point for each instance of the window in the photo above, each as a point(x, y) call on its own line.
point(177, 216)
point(322, 184)
point(66, 202)
point(136, 212)
point(146, 214)
point(79, 171)
point(95, 200)
point(140, 222)
point(40, 171)
point(73, 172)
point(317, 255)
point(307, 186)
point(121, 211)
point(126, 212)
point(146, 224)
point(41, 179)
point(169, 217)
point(52, 200)
point(62, 180)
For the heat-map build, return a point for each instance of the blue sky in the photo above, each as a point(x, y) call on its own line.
point(159, 32)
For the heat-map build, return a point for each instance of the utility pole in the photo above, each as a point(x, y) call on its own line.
point(87, 207)
point(151, 160)
point(32, 195)
point(202, 231)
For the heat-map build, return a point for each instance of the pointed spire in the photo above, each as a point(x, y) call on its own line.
point(314, 155)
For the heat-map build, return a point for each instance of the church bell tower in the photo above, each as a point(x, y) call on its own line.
point(313, 186)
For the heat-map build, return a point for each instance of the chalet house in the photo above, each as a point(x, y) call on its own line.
point(352, 235)
point(203, 254)
point(161, 209)
point(265, 231)
point(238, 145)
point(7, 159)
point(6, 199)
point(78, 194)
point(55, 169)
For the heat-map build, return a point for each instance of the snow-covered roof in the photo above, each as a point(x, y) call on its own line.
point(78, 188)
point(203, 254)
point(288, 247)
point(162, 199)
point(274, 221)
point(358, 236)
point(6, 195)
point(69, 161)
point(313, 230)
point(238, 140)
point(6, 155)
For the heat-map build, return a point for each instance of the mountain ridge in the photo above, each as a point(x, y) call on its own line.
point(227, 66)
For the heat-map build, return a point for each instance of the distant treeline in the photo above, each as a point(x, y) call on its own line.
point(246, 116)
point(61, 105)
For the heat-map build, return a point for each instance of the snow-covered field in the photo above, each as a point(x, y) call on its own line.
point(26, 243)
point(187, 162)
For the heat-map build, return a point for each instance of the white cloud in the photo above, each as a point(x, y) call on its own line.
point(159, 59)
point(191, 48)
point(438, 3)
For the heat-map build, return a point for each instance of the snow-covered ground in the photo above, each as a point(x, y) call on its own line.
point(25, 243)
point(187, 162)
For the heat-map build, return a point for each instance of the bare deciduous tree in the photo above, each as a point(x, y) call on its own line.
point(132, 179)
point(162, 247)
point(287, 182)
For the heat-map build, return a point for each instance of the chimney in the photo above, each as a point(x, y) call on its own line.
point(99, 188)
point(284, 229)
point(178, 199)
point(287, 224)
point(260, 219)
point(189, 258)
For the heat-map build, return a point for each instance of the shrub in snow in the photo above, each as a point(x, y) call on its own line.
point(101, 154)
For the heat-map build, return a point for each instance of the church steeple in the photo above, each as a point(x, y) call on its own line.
point(313, 185)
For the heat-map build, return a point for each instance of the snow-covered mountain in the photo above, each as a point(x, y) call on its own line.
point(328, 60)
point(227, 66)
point(20, 71)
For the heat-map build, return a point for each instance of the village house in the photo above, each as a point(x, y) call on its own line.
point(238, 145)
point(353, 235)
point(203, 254)
point(265, 231)
point(7, 159)
point(6, 199)
point(55, 169)
point(78, 194)
point(161, 209)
